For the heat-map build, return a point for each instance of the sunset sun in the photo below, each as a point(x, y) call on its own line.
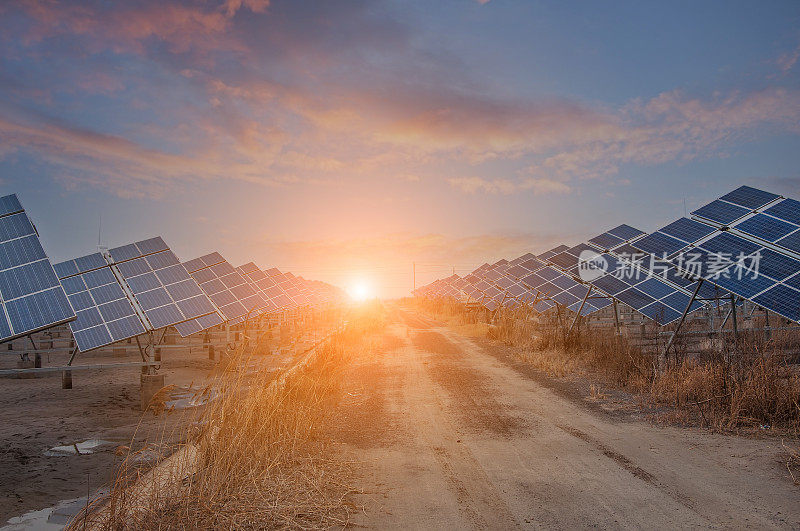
point(360, 291)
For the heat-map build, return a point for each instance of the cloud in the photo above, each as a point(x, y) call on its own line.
point(472, 185)
point(787, 60)
point(282, 93)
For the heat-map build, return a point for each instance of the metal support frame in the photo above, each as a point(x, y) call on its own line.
point(70, 368)
point(683, 318)
point(578, 315)
point(735, 322)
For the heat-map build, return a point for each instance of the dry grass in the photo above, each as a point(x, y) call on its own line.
point(255, 458)
point(751, 385)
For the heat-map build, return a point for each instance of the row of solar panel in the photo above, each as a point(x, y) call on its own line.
point(131, 289)
point(747, 230)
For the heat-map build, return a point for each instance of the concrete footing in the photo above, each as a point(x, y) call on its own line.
point(66, 380)
point(150, 385)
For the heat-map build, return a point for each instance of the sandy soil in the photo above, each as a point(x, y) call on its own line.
point(452, 435)
point(36, 415)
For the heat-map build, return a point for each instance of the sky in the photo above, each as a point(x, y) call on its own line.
point(348, 140)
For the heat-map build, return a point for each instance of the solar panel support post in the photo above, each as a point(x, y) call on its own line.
point(767, 331)
point(142, 353)
point(616, 317)
point(735, 324)
point(683, 318)
point(578, 315)
point(37, 357)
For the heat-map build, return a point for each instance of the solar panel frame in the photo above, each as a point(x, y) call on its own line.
point(153, 260)
point(106, 315)
point(31, 295)
point(721, 212)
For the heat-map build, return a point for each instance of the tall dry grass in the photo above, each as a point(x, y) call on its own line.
point(751, 383)
point(255, 457)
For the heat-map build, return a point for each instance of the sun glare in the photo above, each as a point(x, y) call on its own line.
point(360, 291)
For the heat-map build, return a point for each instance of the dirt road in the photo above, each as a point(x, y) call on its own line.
point(453, 437)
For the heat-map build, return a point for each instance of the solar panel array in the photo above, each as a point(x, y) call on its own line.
point(747, 231)
point(160, 283)
point(129, 291)
point(30, 292)
point(104, 312)
point(235, 299)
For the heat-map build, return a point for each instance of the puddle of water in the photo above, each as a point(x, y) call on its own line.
point(48, 519)
point(189, 397)
point(81, 448)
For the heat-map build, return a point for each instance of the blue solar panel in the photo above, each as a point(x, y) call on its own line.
point(660, 313)
point(532, 264)
point(548, 273)
point(105, 315)
point(517, 271)
point(29, 288)
point(635, 298)
point(598, 302)
point(687, 230)
point(791, 242)
point(152, 272)
point(766, 227)
point(787, 210)
point(721, 212)
point(10, 204)
point(730, 246)
point(772, 264)
point(744, 286)
point(626, 232)
point(659, 244)
point(749, 197)
point(565, 260)
point(564, 298)
point(782, 300)
point(610, 284)
point(678, 301)
point(533, 280)
point(656, 288)
point(606, 240)
point(793, 282)
point(232, 294)
point(125, 252)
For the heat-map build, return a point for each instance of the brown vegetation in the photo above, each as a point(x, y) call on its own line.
point(748, 384)
point(255, 457)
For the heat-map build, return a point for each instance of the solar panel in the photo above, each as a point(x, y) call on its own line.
point(231, 294)
point(781, 299)
point(749, 197)
point(659, 244)
point(105, 313)
point(30, 291)
point(787, 210)
point(721, 212)
point(163, 288)
point(606, 240)
point(687, 230)
point(256, 279)
point(552, 252)
point(635, 298)
point(626, 232)
point(766, 227)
